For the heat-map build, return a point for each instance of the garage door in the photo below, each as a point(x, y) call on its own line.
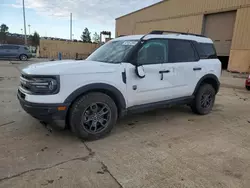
point(219, 27)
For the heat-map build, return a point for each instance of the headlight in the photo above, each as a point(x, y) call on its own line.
point(45, 85)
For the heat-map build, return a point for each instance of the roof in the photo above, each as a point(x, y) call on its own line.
point(162, 1)
point(168, 36)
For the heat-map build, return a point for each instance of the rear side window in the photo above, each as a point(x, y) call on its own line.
point(206, 50)
point(26, 48)
point(10, 47)
point(181, 51)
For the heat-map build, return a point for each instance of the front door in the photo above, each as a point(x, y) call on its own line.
point(151, 88)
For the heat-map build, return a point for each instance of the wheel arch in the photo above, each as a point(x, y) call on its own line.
point(107, 89)
point(209, 79)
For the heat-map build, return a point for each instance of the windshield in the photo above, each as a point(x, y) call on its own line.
point(113, 51)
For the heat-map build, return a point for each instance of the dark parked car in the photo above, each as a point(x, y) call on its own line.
point(15, 51)
point(248, 83)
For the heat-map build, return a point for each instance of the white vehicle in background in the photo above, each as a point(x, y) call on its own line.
point(127, 74)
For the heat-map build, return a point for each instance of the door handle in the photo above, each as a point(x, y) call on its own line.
point(163, 72)
point(197, 69)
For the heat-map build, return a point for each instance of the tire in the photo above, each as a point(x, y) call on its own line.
point(85, 118)
point(206, 91)
point(248, 88)
point(23, 57)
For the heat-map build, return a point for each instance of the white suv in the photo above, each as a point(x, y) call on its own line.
point(127, 74)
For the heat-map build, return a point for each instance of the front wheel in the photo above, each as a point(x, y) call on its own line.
point(204, 100)
point(93, 116)
point(248, 88)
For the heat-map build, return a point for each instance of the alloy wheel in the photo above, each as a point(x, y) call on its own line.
point(206, 100)
point(96, 117)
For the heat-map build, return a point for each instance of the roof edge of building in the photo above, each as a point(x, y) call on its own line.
point(163, 1)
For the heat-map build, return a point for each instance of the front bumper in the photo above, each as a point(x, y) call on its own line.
point(43, 112)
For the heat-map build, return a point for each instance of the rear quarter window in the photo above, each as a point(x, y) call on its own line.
point(206, 50)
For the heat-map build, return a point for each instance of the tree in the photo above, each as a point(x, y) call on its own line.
point(35, 39)
point(3, 32)
point(96, 38)
point(86, 36)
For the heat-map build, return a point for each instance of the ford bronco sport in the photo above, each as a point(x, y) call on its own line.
point(127, 74)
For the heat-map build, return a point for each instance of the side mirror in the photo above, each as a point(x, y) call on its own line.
point(140, 71)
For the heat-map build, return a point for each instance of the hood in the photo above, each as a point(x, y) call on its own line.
point(69, 67)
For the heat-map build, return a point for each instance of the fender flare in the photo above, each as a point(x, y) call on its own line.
point(98, 86)
point(208, 76)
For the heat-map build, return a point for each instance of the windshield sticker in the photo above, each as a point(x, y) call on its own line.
point(129, 43)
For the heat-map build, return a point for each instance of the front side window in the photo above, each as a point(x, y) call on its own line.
point(153, 52)
point(113, 51)
point(181, 51)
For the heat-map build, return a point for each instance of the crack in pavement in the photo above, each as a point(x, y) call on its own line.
point(90, 155)
point(7, 123)
point(104, 167)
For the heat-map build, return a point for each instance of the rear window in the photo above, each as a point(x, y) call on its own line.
point(206, 50)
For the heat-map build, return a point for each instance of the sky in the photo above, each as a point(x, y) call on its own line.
point(51, 17)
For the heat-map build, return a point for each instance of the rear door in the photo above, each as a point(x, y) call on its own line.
point(183, 60)
point(13, 51)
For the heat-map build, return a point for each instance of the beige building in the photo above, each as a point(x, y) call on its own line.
point(227, 22)
point(51, 48)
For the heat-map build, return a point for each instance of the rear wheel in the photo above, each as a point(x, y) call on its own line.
point(204, 100)
point(93, 116)
point(23, 57)
point(248, 88)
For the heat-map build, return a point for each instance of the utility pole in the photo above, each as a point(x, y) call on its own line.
point(24, 23)
point(71, 26)
point(29, 28)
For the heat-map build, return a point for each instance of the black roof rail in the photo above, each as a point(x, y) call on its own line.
point(160, 32)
